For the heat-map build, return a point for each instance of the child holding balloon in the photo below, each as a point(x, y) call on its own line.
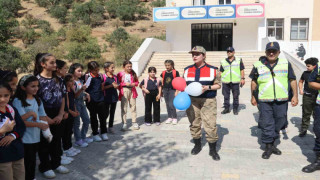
point(151, 89)
point(168, 91)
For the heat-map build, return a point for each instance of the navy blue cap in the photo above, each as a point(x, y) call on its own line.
point(230, 49)
point(273, 45)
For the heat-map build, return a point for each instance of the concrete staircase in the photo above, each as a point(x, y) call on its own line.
point(184, 59)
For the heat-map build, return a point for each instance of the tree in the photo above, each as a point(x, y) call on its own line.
point(119, 35)
point(90, 13)
point(11, 7)
point(59, 12)
point(7, 26)
point(125, 50)
point(158, 3)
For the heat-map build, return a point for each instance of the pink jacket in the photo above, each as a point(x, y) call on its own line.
point(121, 76)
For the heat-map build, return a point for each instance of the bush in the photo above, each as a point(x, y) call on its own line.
point(161, 37)
point(11, 7)
point(7, 27)
point(90, 13)
point(29, 21)
point(59, 12)
point(43, 44)
point(126, 49)
point(10, 58)
point(43, 3)
point(119, 35)
point(158, 3)
point(79, 33)
point(29, 36)
point(45, 27)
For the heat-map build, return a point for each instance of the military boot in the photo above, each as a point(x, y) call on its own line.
point(312, 167)
point(275, 150)
point(268, 151)
point(213, 151)
point(197, 146)
point(225, 111)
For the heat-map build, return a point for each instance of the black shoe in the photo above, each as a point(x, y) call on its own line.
point(312, 167)
point(302, 133)
point(213, 151)
point(276, 151)
point(225, 111)
point(235, 111)
point(197, 146)
point(268, 151)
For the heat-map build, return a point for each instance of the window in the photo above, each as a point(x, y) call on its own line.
point(199, 2)
point(224, 1)
point(299, 29)
point(275, 28)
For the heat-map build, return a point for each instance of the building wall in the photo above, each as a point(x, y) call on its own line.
point(316, 21)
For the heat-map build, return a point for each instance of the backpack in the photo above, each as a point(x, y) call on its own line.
point(146, 84)
point(174, 73)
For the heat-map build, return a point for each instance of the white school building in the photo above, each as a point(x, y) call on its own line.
point(247, 25)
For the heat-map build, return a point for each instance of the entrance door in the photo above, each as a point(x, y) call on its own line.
point(212, 36)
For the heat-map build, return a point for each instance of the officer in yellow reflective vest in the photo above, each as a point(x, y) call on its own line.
point(232, 75)
point(314, 83)
point(272, 76)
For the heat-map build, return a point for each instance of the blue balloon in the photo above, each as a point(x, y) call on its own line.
point(182, 101)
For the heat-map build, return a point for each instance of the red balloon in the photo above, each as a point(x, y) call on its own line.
point(179, 83)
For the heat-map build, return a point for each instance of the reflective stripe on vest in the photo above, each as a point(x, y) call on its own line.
point(318, 97)
point(273, 87)
point(231, 71)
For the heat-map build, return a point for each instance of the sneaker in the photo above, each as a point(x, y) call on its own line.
point(88, 140)
point(80, 143)
point(49, 174)
point(70, 153)
point(136, 126)
point(64, 161)
point(124, 127)
point(62, 170)
point(77, 151)
point(168, 121)
point(157, 124)
point(104, 137)
point(147, 124)
point(174, 121)
point(110, 130)
point(97, 138)
point(67, 158)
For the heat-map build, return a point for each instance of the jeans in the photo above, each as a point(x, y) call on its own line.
point(81, 134)
point(168, 97)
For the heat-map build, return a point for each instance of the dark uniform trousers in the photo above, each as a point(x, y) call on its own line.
point(226, 88)
point(308, 104)
point(316, 128)
point(273, 117)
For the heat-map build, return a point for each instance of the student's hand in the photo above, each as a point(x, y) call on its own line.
point(6, 141)
point(158, 97)
point(205, 88)
point(253, 101)
point(301, 92)
point(88, 97)
point(146, 91)
point(84, 87)
point(33, 115)
point(50, 121)
point(77, 114)
point(65, 115)
point(294, 101)
point(7, 126)
point(58, 119)
point(176, 93)
point(43, 126)
point(115, 85)
point(133, 84)
point(128, 84)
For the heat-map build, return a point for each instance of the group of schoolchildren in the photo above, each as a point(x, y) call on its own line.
point(40, 112)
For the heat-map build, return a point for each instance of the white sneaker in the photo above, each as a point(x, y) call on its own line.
point(104, 137)
point(67, 158)
point(70, 153)
point(64, 161)
point(81, 143)
point(168, 121)
point(97, 138)
point(62, 170)
point(136, 126)
point(88, 140)
point(77, 151)
point(124, 127)
point(49, 174)
point(174, 121)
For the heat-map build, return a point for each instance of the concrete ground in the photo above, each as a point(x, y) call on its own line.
point(163, 152)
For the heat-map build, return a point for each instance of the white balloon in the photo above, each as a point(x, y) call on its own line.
point(194, 89)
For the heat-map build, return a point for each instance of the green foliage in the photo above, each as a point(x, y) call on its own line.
point(81, 45)
point(10, 7)
point(90, 13)
point(158, 3)
point(126, 49)
point(6, 27)
point(29, 36)
point(43, 3)
point(112, 6)
point(11, 59)
point(29, 21)
point(119, 35)
point(45, 27)
point(59, 12)
point(161, 37)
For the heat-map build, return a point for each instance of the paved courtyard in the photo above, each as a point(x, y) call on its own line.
point(163, 152)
